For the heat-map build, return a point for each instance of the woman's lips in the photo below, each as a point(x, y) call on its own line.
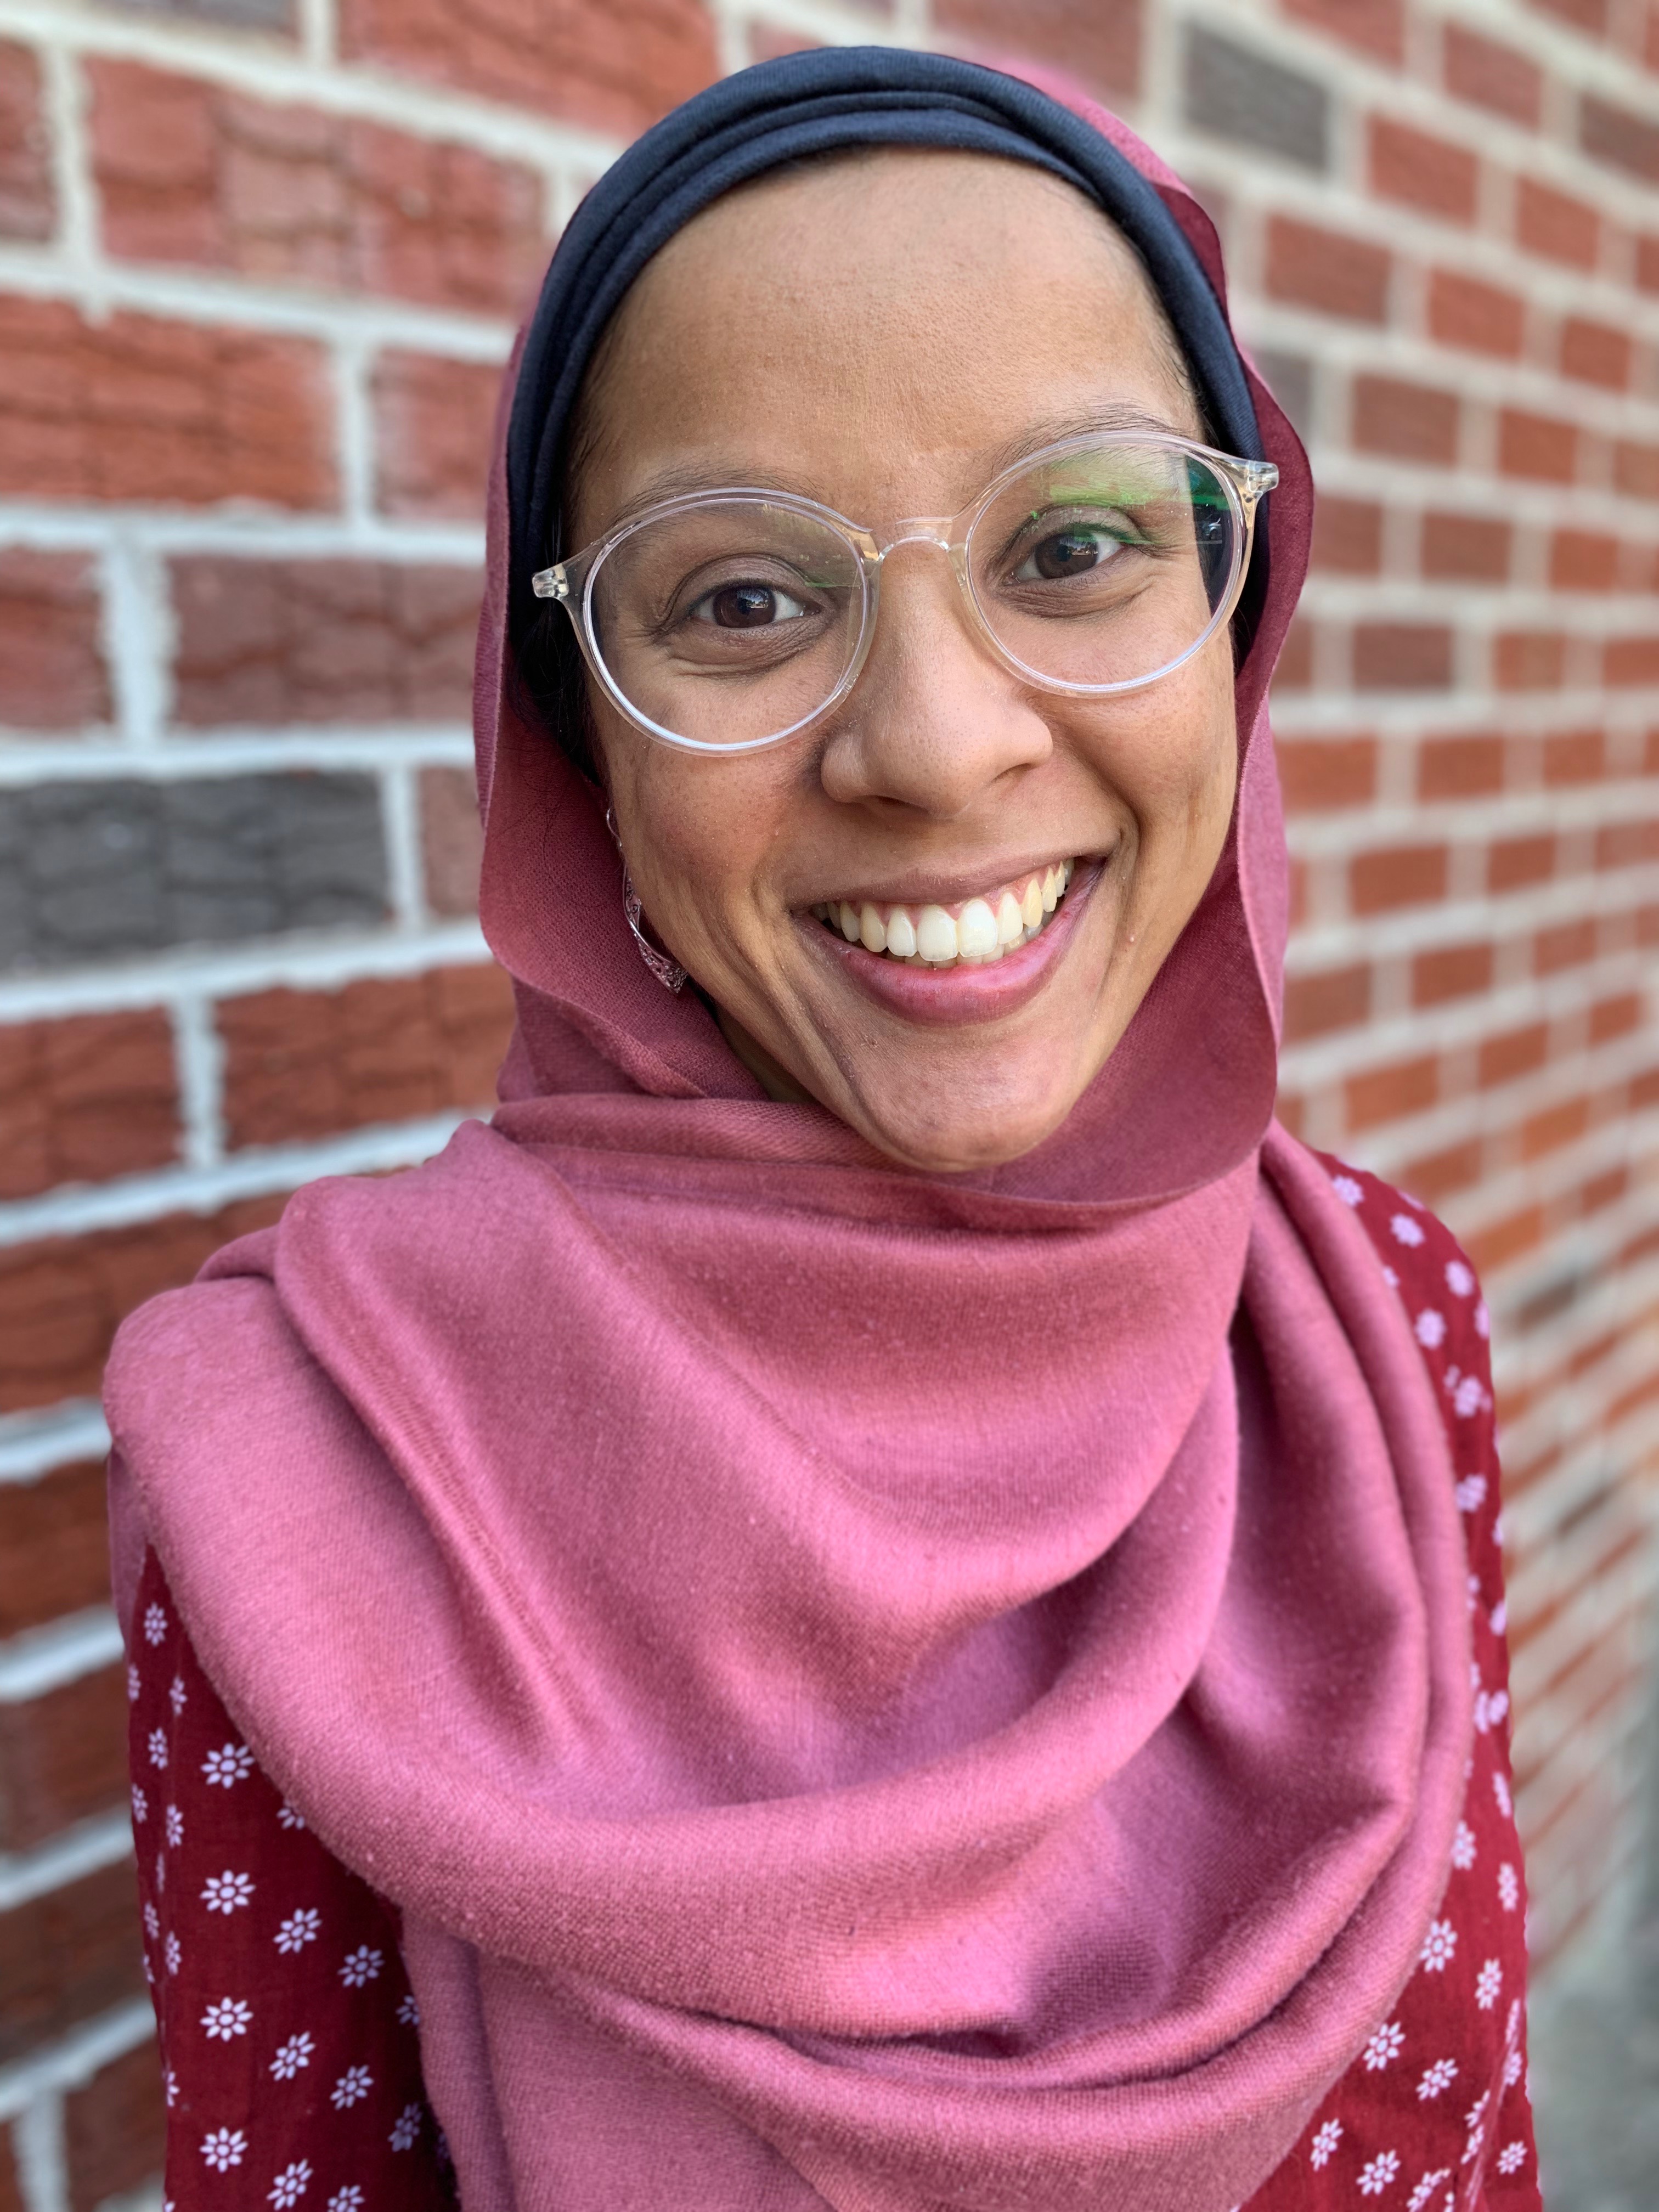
point(971, 991)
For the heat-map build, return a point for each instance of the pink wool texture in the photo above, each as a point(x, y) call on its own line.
point(868, 1691)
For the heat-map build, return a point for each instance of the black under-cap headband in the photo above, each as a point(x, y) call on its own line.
point(782, 111)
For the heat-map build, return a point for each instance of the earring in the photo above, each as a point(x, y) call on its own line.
point(666, 969)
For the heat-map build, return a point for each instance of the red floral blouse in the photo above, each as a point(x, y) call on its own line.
point(290, 2039)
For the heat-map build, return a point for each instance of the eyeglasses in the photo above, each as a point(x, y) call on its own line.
point(723, 621)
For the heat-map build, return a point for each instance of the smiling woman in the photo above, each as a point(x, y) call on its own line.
point(866, 1589)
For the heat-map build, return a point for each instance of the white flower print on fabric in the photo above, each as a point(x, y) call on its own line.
point(1437, 1946)
point(290, 1818)
point(140, 1805)
point(160, 1870)
point(1325, 2143)
point(175, 1827)
point(1405, 1230)
point(299, 1928)
point(348, 2199)
point(224, 1892)
point(230, 1764)
point(1426, 2187)
point(1477, 2128)
point(155, 1623)
point(353, 2086)
point(1500, 1790)
point(230, 2017)
point(1488, 1983)
point(1512, 2158)
point(1375, 2177)
point(1385, 2044)
point(1346, 1189)
point(1460, 1279)
point(291, 2184)
point(133, 1684)
point(409, 2012)
point(362, 1964)
point(158, 1748)
point(1511, 2070)
point(178, 1696)
point(1500, 1617)
point(1391, 1278)
point(1462, 1855)
point(294, 2054)
point(1430, 1329)
point(1482, 1319)
point(1439, 2076)
point(170, 2087)
point(152, 1922)
point(1471, 1494)
point(408, 2127)
point(1509, 1887)
point(1468, 1398)
point(175, 1955)
point(224, 2148)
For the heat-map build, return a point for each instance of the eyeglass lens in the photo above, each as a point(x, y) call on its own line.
point(734, 621)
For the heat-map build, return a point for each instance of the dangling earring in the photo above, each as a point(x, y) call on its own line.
point(667, 970)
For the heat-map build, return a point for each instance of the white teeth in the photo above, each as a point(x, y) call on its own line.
point(936, 935)
point(1032, 907)
point(1011, 922)
point(1050, 893)
point(977, 931)
point(849, 918)
point(872, 933)
point(901, 935)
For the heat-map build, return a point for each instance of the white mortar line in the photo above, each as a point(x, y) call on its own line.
point(138, 628)
point(71, 2063)
point(88, 1847)
point(33, 1444)
point(318, 40)
point(63, 98)
point(266, 533)
point(40, 1660)
point(255, 1173)
point(198, 1054)
point(354, 428)
point(400, 817)
point(183, 756)
point(42, 2161)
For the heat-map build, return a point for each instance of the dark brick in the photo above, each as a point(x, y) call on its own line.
point(237, 15)
point(54, 1545)
point(1290, 378)
point(115, 2130)
point(274, 642)
point(62, 1757)
point(68, 1955)
point(94, 871)
point(1240, 94)
point(1620, 139)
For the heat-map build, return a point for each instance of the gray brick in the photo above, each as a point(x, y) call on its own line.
point(1290, 377)
point(93, 872)
point(1242, 95)
point(240, 15)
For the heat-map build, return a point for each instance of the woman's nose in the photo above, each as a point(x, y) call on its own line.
point(934, 719)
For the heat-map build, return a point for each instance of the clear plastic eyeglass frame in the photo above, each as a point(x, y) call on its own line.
point(570, 582)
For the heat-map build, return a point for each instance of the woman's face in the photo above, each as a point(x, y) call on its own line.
point(884, 336)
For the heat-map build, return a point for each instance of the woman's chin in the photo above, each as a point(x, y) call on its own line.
point(959, 1135)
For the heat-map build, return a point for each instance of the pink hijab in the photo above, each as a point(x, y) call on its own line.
point(868, 1691)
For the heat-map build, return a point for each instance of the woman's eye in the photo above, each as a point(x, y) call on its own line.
point(1072, 552)
point(747, 607)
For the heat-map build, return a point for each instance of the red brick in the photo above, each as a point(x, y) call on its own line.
point(1494, 1247)
point(1347, 536)
point(611, 69)
point(1101, 45)
point(1574, 756)
point(1327, 270)
point(1515, 863)
point(138, 407)
point(1461, 767)
point(1619, 137)
point(1435, 1176)
point(1647, 264)
point(67, 1956)
point(1294, 669)
point(1412, 422)
point(1396, 876)
point(1620, 1016)
point(434, 423)
point(1555, 1127)
point(1375, 26)
point(1317, 774)
point(1451, 971)
point(62, 1757)
point(191, 171)
point(1516, 1053)
point(26, 206)
point(1490, 76)
point(451, 839)
point(274, 642)
point(303, 1064)
point(1568, 945)
point(1628, 660)
point(53, 675)
point(1556, 226)
point(1389, 1094)
point(11, 2189)
point(1536, 446)
point(1636, 468)
point(1582, 561)
point(54, 1545)
point(62, 1298)
point(1422, 171)
point(86, 1098)
point(1476, 318)
point(1590, 15)
point(1626, 844)
point(1340, 999)
point(1403, 657)
point(1594, 354)
point(115, 2130)
point(1530, 660)
point(1469, 548)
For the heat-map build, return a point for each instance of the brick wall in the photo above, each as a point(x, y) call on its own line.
point(259, 263)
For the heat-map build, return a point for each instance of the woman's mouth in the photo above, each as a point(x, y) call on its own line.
point(974, 932)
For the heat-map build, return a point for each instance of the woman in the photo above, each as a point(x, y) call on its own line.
point(861, 1602)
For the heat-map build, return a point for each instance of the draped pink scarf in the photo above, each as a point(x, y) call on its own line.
point(868, 1691)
